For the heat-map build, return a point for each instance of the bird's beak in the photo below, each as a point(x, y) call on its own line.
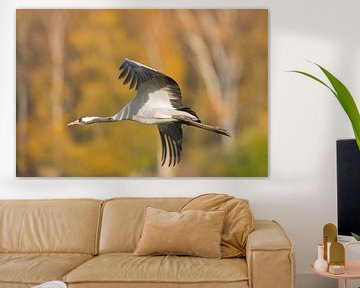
point(76, 122)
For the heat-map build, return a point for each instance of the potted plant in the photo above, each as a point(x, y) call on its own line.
point(345, 99)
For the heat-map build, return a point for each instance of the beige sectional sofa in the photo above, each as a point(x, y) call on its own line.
point(89, 243)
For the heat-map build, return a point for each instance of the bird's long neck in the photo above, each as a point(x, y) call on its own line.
point(97, 119)
point(125, 113)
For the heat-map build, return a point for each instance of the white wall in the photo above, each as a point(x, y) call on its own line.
point(305, 120)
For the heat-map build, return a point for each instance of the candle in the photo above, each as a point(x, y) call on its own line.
point(336, 269)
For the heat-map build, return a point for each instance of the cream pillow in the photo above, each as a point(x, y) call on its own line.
point(193, 232)
point(238, 223)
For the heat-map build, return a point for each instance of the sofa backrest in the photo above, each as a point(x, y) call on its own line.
point(123, 220)
point(68, 226)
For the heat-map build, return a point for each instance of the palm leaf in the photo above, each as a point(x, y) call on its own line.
point(316, 79)
point(344, 97)
point(357, 237)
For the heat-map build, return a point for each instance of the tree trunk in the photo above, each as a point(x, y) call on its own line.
point(57, 31)
point(22, 99)
point(56, 23)
point(214, 57)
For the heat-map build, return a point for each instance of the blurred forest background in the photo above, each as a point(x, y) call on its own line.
point(67, 67)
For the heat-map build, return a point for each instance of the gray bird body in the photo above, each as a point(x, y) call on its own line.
point(151, 105)
point(157, 101)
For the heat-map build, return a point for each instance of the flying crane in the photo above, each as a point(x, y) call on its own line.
point(157, 101)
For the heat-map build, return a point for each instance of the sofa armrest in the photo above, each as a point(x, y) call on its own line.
point(269, 256)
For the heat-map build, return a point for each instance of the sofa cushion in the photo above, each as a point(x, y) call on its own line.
point(123, 220)
point(64, 226)
point(126, 268)
point(193, 232)
point(36, 268)
point(239, 220)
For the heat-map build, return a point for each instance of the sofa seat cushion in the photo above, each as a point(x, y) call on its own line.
point(36, 268)
point(125, 267)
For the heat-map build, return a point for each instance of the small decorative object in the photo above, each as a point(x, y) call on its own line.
point(337, 258)
point(344, 97)
point(330, 236)
point(336, 269)
point(328, 245)
point(52, 284)
point(320, 264)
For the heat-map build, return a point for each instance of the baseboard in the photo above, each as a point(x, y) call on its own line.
point(310, 280)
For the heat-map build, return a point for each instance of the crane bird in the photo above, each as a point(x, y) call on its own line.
point(157, 101)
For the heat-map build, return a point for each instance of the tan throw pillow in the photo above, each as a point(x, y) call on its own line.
point(196, 233)
point(239, 220)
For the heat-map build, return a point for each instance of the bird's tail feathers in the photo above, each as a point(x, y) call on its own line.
point(190, 122)
point(190, 111)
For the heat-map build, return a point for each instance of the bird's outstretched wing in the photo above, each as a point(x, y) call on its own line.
point(171, 136)
point(136, 74)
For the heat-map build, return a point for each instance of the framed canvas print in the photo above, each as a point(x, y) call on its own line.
point(134, 93)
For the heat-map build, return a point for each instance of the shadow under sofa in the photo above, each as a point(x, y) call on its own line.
point(90, 243)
